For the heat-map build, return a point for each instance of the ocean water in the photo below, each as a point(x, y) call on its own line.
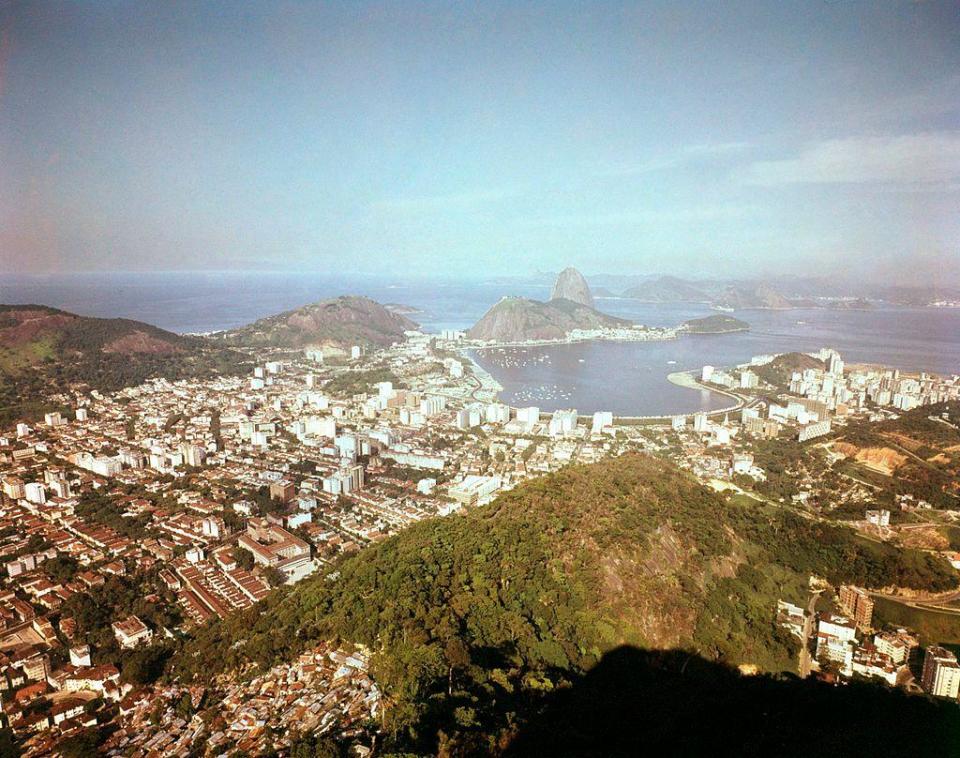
point(626, 378)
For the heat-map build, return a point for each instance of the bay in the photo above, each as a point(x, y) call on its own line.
point(625, 378)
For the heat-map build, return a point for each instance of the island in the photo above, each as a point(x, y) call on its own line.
point(569, 316)
point(716, 324)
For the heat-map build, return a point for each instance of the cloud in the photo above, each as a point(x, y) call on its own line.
point(925, 157)
point(690, 215)
point(716, 148)
point(686, 154)
point(455, 201)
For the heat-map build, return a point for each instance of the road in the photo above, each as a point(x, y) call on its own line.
point(806, 660)
point(934, 603)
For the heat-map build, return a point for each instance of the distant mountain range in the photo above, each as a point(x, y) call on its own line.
point(918, 295)
point(667, 289)
point(802, 291)
point(778, 293)
point(336, 324)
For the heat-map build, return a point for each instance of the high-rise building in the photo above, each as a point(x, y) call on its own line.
point(836, 365)
point(601, 420)
point(563, 422)
point(898, 645)
point(941, 673)
point(14, 488)
point(858, 604)
point(35, 493)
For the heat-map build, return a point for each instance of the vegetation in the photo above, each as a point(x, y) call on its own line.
point(838, 554)
point(343, 321)
point(356, 382)
point(100, 508)
point(117, 598)
point(716, 324)
point(932, 625)
point(929, 440)
point(243, 557)
point(781, 368)
point(62, 349)
point(474, 617)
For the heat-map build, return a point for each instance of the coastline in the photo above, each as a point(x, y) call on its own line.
point(686, 379)
point(662, 335)
point(683, 379)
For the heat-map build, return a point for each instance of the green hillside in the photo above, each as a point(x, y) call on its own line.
point(337, 324)
point(43, 349)
point(716, 324)
point(474, 617)
point(781, 368)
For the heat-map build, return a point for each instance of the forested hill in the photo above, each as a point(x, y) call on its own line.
point(42, 349)
point(716, 324)
point(474, 617)
point(781, 368)
point(337, 324)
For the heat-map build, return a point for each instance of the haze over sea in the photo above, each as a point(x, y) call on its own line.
point(626, 378)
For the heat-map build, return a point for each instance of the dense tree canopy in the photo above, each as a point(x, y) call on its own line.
point(473, 617)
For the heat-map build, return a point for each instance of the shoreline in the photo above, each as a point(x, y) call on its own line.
point(686, 379)
point(683, 379)
point(668, 336)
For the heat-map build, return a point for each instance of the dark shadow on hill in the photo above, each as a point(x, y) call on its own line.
point(639, 702)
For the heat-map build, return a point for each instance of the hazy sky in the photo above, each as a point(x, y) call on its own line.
point(688, 138)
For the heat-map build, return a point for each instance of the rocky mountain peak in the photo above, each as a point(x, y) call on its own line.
point(571, 285)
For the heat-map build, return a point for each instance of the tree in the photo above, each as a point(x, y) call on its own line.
point(274, 576)
point(184, 707)
point(8, 747)
point(63, 568)
point(243, 557)
point(315, 747)
point(81, 745)
point(145, 665)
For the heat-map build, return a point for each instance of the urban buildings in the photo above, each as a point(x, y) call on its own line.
point(941, 673)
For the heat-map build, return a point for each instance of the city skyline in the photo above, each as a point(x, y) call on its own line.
point(481, 140)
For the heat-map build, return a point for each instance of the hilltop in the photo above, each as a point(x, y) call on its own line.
point(43, 348)
point(779, 371)
point(856, 304)
point(667, 289)
point(571, 285)
point(918, 296)
point(716, 324)
point(749, 296)
point(336, 323)
point(516, 319)
point(474, 616)
point(921, 447)
point(671, 289)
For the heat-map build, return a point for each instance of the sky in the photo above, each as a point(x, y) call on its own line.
point(462, 139)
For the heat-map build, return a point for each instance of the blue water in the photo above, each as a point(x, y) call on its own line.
point(627, 378)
